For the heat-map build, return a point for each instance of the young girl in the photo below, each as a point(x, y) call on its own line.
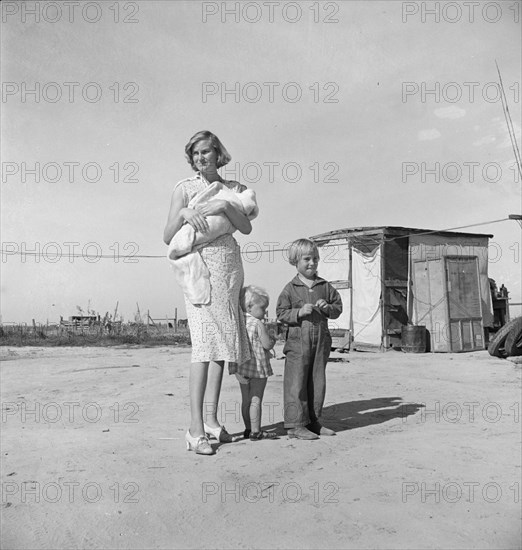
point(305, 305)
point(253, 374)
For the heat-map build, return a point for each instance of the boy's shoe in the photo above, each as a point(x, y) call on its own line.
point(301, 433)
point(256, 436)
point(318, 429)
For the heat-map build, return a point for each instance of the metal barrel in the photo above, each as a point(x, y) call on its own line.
point(413, 339)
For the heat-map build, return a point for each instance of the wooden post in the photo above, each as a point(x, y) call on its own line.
point(148, 317)
point(350, 279)
point(176, 319)
point(382, 301)
point(153, 323)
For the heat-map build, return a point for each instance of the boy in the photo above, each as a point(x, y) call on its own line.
point(305, 305)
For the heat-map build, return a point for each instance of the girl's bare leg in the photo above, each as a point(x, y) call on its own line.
point(245, 405)
point(197, 385)
point(257, 389)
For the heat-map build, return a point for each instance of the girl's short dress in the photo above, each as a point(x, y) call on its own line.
point(258, 366)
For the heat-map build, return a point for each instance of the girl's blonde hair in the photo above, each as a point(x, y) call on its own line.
point(299, 248)
point(251, 295)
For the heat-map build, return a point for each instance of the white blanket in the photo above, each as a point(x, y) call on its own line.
point(189, 268)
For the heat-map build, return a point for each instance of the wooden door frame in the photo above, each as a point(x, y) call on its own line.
point(471, 319)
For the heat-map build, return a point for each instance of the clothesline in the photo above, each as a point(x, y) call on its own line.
point(257, 251)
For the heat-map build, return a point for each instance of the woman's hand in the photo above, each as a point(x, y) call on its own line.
point(196, 219)
point(213, 207)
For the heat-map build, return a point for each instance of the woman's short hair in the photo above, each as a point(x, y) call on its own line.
point(251, 295)
point(299, 248)
point(223, 155)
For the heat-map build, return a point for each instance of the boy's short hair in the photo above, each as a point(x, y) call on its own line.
point(299, 248)
point(251, 295)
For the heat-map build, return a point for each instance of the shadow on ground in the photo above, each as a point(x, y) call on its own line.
point(359, 414)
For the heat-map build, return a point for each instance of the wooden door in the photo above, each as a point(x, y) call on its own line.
point(430, 303)
point(464, 306)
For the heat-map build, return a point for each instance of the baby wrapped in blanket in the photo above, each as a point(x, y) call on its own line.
point(189, 268)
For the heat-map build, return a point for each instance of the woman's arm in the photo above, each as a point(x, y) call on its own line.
point(178, 213)
point(236, 217)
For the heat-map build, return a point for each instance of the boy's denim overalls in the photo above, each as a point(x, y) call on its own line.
point(307, 348)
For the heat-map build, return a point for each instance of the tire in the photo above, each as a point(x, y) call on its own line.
point(495, 347)
point(513, 343)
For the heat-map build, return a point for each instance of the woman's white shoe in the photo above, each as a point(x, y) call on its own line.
point(219, 433)
point(198, 444)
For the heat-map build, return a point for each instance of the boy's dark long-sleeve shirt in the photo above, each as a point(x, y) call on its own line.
point(307, 348)
point(296, 294)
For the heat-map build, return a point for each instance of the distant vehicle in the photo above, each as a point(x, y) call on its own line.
point(341, 339)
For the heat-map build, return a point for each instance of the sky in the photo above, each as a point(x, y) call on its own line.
point(338, 114)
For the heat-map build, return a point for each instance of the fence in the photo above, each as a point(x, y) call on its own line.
point(68, 333)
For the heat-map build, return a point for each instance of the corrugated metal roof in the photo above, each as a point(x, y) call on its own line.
point(397, 231)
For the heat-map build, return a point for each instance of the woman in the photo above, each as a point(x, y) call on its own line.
point(217, 330)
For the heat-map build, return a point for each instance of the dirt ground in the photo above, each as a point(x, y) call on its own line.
point(427, 455)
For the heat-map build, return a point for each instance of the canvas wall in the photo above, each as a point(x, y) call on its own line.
point(334, 266)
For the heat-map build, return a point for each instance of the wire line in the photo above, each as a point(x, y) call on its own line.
point(262, 251)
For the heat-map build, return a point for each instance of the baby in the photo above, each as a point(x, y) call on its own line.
point(189, 268)
point(187, 239)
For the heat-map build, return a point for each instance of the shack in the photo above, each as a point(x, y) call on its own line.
point(80, 321)
point(389, 277)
